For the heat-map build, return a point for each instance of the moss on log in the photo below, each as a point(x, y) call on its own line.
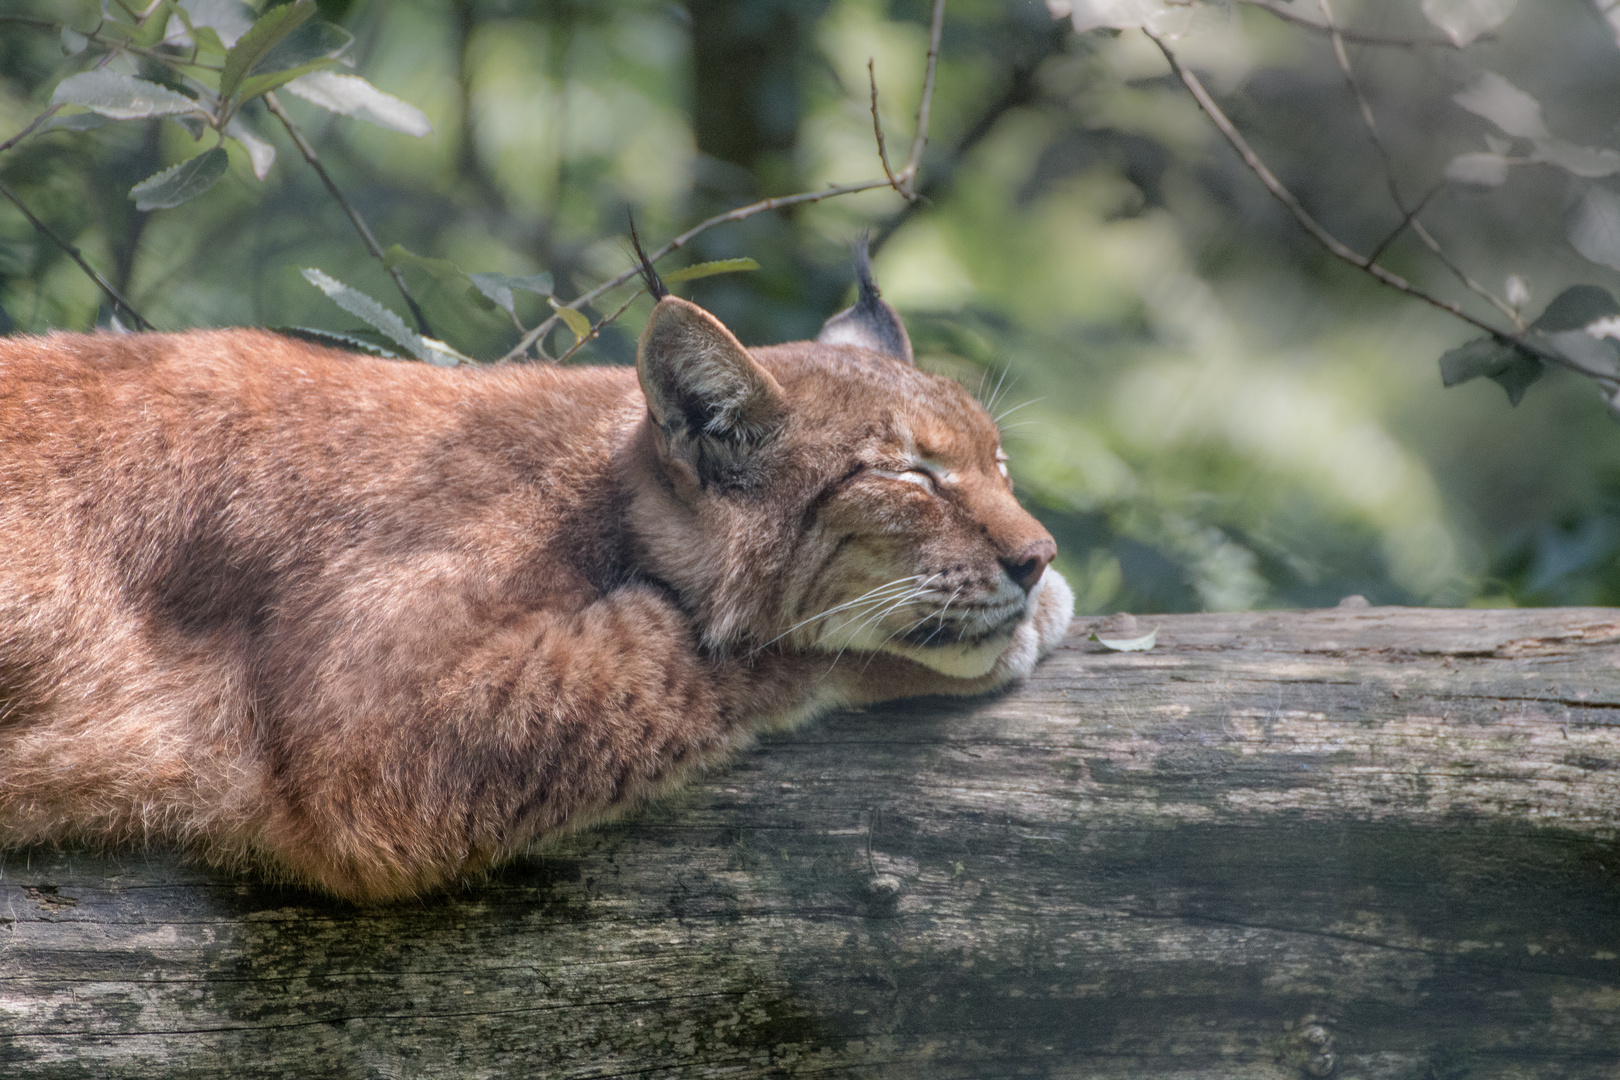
point(1374, 843)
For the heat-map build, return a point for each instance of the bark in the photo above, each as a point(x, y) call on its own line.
point(1375, 844)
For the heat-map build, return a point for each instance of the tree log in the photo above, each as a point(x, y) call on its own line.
point(1375, 843)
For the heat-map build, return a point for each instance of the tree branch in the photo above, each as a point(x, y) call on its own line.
point(1410, 217)
point(73, 253)
point(742, 212)
point(908, 175)
point(29, 130)
point(877, 130)
point(596, 331)
point(1359, 37)
point(903, 182)
point(274, 105)
point(1334, 246)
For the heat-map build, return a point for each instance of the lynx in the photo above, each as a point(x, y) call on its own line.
point(372, 627)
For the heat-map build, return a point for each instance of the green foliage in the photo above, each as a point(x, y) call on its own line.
point(1212, 413)
point(176, 184)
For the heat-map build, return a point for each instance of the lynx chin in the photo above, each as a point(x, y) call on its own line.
point(372, 627)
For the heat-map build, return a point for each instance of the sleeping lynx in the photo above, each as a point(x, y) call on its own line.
point(371, 626)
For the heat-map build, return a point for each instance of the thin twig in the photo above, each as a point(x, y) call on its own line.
point(687, 237)
point(1334, 246)
point(48, 113)
point(29, 130)
point(274, 105)
point(877, 129)
point(596, 331)
point(113, 43)
point(1405, 221)
point(906, 186)
point(1358, 36)
point(73, 253)
point(1410, 217)
point(909, 174)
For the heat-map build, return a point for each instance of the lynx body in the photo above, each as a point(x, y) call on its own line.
point(372, 626)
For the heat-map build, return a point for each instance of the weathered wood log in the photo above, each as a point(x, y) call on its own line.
point(1374, 843)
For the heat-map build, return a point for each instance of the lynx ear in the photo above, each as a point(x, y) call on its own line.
point(871, 323)
point(713, 402)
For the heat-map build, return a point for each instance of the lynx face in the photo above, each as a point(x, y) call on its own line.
point(916, 546)
point(831, 497)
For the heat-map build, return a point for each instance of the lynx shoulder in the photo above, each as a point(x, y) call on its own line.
point(371, 626)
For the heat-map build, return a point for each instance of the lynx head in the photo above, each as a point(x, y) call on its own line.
point(829, 495)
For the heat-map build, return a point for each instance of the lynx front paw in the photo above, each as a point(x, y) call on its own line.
point(1054, 609)
point(1036, 638)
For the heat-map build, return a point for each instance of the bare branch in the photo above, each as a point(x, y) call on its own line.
point(904, 182)
point(1405, 221)
point(73, 253)
point(877, 129)
point(1359, 37)
point(1334, 246)
point(1410, 217)
point(29, 130)
point(909, 174)
point(274, 105)
point(742, 212)
point(596, 331)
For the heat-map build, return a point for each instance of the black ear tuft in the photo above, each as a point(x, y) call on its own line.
point(655, 284)
point(871, 323)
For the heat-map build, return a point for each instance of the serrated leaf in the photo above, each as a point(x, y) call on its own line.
point(708, 269)
point(363, 307)
point(1576, 308)
point(350, 95)
point(260, 153)
point(255, 85)
point(1504, 105)
point(1136, 644)
point(1480, 170)
point(352, 342)
point(181, 182)
point(498, 288)
point(120, 96)
point(1593, 226)
point(266, 33)
point(308, 49)
point(1504, 362)
point(84, 121)
point(1587, 161)
point(571, 318)
point(312, 41)
point(1465, 20)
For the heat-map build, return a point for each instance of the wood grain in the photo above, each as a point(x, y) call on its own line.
point(1375, 843)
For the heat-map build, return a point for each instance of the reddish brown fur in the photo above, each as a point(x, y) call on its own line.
point(371, 625)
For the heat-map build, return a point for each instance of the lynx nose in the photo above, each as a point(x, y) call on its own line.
point(1026, 567)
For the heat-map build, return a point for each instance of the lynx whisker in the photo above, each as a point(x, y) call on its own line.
point(1003, 414)
point(870, 596)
